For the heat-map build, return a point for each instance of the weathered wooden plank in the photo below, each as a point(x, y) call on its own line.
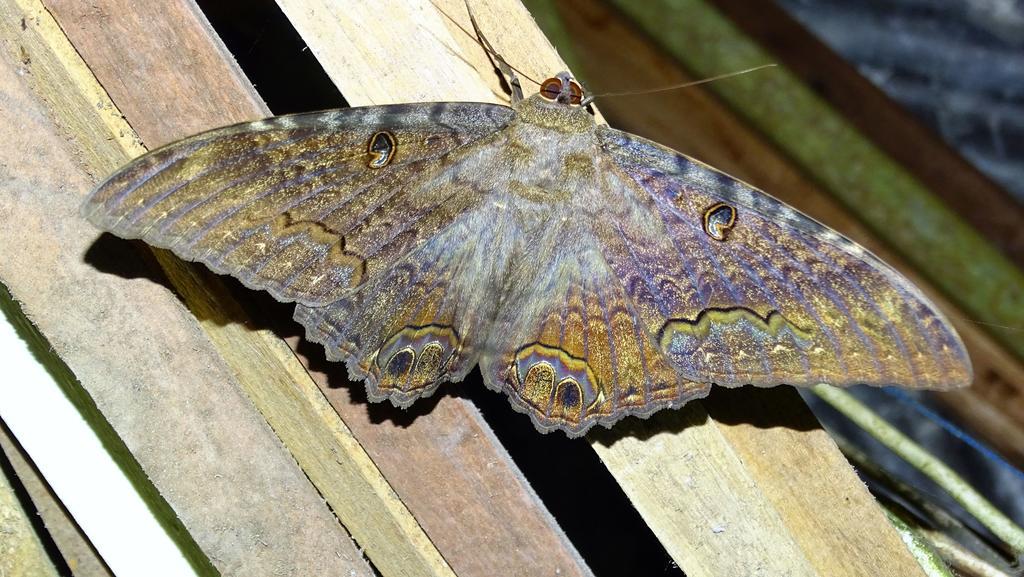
point(720, 496)
point(456, 479)
point(700, 497)
point(21, 551)
point(739, 484)
point(120, 41)
point(78, 553)
point(267, 370)
point(698, 124)
point(142, 357)
point(84, 459)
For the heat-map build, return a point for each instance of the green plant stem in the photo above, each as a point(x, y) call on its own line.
point(919, 548)
point(975, 504)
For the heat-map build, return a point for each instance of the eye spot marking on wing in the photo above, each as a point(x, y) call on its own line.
point(398, 367)
point(555, 383)
point(718, 219)
point(568, 402)
point(415, 358)
point(539, 382)
point(381, 149)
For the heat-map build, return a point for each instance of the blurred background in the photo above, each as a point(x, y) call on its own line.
point(957, 65)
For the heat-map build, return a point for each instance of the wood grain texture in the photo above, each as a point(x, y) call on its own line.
point(494, 507)
point(696, 123)
point(74, 546)
point(115, 447)
point(787, 477)
point(203, 70)
point(458, 481)
point(141, 356)
point(738, 485)
point(21, 551)
point(700, 497)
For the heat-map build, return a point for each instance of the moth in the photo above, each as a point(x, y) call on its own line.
point(590, 273)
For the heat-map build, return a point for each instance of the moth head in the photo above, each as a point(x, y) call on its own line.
point(562, 89)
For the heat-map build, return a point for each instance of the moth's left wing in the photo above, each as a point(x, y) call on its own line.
point(739, 288)
point(305, 206)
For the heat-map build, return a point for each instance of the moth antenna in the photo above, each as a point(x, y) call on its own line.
point(591, 98)
point(1007, 328)
point(507, 71)
point(496, 59)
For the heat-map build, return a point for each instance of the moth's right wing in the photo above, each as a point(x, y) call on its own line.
point(740, 288)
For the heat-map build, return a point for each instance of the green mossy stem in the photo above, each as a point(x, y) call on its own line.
point(971, 500)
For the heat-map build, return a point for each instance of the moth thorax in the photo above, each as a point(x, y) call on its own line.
point(554, 115)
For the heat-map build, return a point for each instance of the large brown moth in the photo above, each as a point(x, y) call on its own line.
point(592, 274)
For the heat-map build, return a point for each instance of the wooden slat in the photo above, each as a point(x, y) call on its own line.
point(741, 483)
point(75, 548)
point(458, 481)
point(454, 476)
point(143, 358)
point(21, 551)
point(493, 506)
point(724, 497)
point(119, 34)
point(267, 370)
point(85, 459)
point(700, 497)
point(698, 124)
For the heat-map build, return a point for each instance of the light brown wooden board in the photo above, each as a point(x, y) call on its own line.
point(459, 483)
point(75, 548)
point(725, 497)
point(457, 480)
point(21, 550)
point(140, 355)
point(696, 123)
